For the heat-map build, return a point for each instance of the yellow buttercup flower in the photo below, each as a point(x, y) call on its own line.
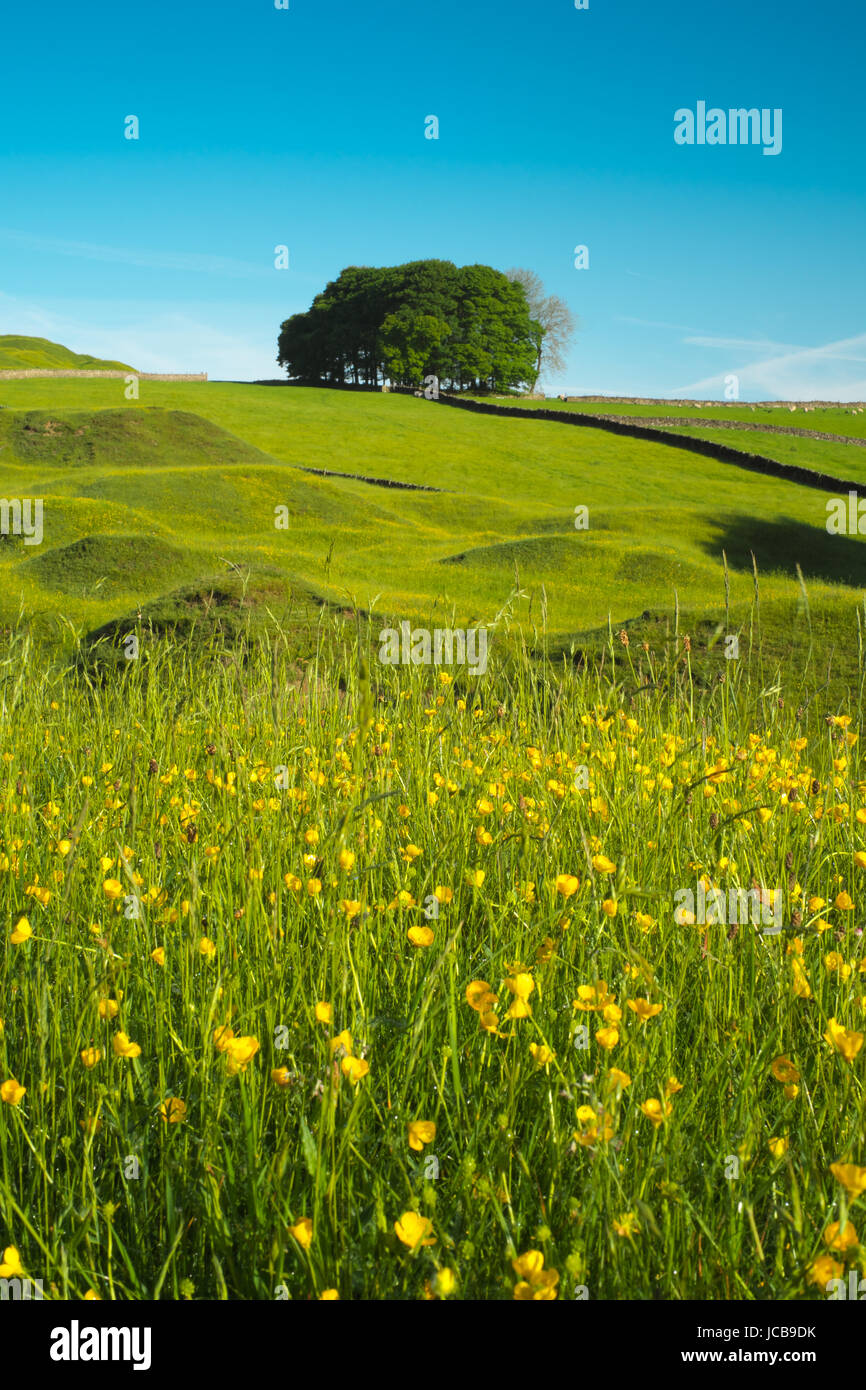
point(591, 997)
point(445, 1282)
point(825, 1268)
point(324, 1012)
point(11, 1265)
point(90, 1056)
point(618, 1078)
point(529, 1265)
point(23, 931)
point(521, 985)
point(541, 1054)
point(281, 1076)
point(784, 1070)
point(342, 1040)
point(535, 1283)
point(112, 888)
point(329, 1296)
point(414, 1230)
point(173, 1110)
point(479, 995)
point(421, 1132)
point(779, 1146)
point(602, 865)
point(303, 1232)
point(626, 1225)
point(158, 956)
point(10, 1268)
point(421, 936)
point(838, 1237)
point(566, 884)
point(12, 1092)
point(123, 1047)
point(207, 948)
point(845, 1040)
point(239, 1053)
point(607, 1038)
point(655, 1111)
point(644, 1009)
point(852, 1177)
point(355, 1068)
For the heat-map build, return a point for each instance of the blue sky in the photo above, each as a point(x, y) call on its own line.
point(305, 127)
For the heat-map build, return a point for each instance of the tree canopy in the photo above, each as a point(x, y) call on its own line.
point(469, 326)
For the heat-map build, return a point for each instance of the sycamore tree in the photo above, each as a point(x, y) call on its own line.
point(553, 314)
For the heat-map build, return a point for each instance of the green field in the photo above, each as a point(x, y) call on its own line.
point(325, 978)
point(148, 500)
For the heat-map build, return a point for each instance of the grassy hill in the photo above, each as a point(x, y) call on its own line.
point(157, 501)
point(18, 354)
point(285, 924)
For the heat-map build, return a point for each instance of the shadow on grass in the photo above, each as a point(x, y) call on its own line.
point(781, 544)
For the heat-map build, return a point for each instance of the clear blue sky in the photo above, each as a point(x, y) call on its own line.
point(305, 127)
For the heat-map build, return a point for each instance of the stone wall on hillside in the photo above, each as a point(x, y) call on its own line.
point(724, 405)
point(633, 429)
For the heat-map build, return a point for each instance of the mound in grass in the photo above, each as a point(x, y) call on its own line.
point(224, 610)
point(114, 564)
point(144, 438)
point(650, 567)
point(20, 353)
point(534, 553)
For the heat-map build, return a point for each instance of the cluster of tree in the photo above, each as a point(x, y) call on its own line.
point(471, 327)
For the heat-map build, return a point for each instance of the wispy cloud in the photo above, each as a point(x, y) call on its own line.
point(798, 374)
point(190, 261)
point(744, 344)
point(652, 323)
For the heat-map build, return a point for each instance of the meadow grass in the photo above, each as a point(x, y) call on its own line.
point(331, 905)
point(145, 499)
